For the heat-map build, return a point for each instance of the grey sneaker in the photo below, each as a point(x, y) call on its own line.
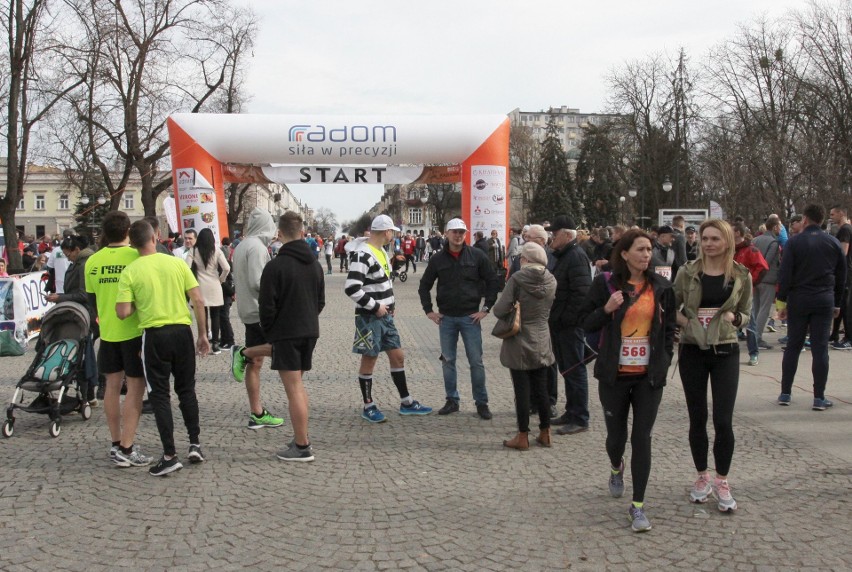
point(616, 481)
point(134, 459)
point(112, 452)
point(722, 492)
point(701, 489)
point(637, 517)
point(295, 453)
point(195, 455)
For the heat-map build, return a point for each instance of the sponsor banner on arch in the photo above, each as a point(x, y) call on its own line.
point(488, 199)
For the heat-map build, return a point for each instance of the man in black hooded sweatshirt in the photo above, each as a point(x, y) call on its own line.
point(292, 295)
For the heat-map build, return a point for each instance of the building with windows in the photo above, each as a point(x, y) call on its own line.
point(570, 123)
point(50, 200)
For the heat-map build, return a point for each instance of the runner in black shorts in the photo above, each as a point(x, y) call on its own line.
point(119, 356)
point(293, 287)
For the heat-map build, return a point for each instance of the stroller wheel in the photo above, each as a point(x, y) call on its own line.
point(8, 429)
point(86, 412)
point(403, 276)
point(54, 430)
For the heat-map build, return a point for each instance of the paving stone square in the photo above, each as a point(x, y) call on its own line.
point(424, 493)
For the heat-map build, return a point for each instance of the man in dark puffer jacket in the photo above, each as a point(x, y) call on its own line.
point(573, 278)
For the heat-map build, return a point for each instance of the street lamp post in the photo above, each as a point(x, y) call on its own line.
point(667, 188)
point(101, 200)
point(621, 205)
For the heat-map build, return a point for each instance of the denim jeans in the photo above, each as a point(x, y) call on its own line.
point(570, 348)
point(471, 334)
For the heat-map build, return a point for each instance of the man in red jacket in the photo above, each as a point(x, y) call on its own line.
point(748, 255)
point(409, 244)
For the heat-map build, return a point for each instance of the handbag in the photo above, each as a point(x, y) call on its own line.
point(510, 325)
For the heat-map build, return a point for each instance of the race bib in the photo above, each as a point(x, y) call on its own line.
point(635, 351)
point(705, 315)
point(664, 271)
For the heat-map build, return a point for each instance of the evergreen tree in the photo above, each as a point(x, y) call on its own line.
point(554, 192)
point(599, 185)
point(89, 217)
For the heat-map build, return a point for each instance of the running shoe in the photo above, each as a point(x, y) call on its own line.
point(112, 451)
point(215, 349)
point(195, 455)
point(785, 399)
point(373, 415)
point(637, 516)
point(770, 327)
point(616, 480)
point(841, 345)
point(763, 345)
point(414, 408)
point(753, 359)
point(822, 404)
point(265, 419)
point(295, 453)
point(164, 467)
point(722, 492)
point(238, 363)
point(783, 339)
point(134, 459)
point(701, 489)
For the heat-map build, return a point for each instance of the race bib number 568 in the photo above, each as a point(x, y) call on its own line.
point(635, 351)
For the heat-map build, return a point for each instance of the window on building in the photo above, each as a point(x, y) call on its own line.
point(39, 202)
point(64, 204)
point(412, 194)
point(21, 204)
point(40, 231)
point(415, 216)
point(128, 201)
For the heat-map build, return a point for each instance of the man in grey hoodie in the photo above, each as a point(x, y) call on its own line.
point(249, 259)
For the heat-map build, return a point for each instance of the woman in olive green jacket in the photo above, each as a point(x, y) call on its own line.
point(713, 294)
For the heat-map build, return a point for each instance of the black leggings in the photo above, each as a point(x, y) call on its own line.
point(213, 323)
point(722, 366)
point(526, 382)
point(617, 398)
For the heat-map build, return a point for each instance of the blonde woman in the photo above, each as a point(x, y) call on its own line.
point(713, 294)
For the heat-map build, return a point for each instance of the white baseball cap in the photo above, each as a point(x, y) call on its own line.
point(383, 222)
point(456, 224)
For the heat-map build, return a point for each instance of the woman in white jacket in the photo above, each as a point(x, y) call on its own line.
point(210, 268)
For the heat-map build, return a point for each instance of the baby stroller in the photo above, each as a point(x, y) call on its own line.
point(57, 374)
point(397, 262)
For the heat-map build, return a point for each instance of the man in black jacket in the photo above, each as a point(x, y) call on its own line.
point(573, 278)
point(292, 295)
point(460, 270)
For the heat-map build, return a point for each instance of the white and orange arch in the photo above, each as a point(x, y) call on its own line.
point(209, 150)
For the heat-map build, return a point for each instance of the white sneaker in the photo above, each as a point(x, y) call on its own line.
point(701, 489)
point(722, 492)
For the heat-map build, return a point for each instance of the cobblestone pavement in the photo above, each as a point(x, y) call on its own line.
point(433, 493)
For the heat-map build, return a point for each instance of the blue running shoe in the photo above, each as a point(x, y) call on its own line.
point(784, 399)
point(822, 404)
point(415, 408)
point(373, 415)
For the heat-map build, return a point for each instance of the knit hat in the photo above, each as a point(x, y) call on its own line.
point(534, 253)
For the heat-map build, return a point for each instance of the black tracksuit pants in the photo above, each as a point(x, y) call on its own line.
point(170, 350)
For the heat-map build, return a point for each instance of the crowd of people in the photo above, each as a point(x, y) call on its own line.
point(624, 296)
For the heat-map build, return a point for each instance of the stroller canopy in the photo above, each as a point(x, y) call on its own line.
point(65, 320)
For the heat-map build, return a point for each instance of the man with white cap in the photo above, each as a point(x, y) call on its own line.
point(460, 271)
point(369, 285)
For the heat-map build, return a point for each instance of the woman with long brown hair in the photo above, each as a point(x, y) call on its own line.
point(634, 311)
point(713, 294)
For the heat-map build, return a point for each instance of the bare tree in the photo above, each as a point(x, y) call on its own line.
point(37, 74)
point(445, 200)
point(524, 165)
point(753, 78)
point(325, 221)
point(153, 58)
point(824, 32)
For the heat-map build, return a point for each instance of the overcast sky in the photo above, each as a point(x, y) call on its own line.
point(465, 56)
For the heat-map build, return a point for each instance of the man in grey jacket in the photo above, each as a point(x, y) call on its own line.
point(764, 292)
point(250, 257)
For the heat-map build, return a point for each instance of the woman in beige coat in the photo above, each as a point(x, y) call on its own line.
point(529, 354)
point(210, 268)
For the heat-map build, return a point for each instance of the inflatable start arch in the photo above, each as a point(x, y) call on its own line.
point(209, 150)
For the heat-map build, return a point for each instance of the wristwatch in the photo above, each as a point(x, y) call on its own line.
point(486, 309)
